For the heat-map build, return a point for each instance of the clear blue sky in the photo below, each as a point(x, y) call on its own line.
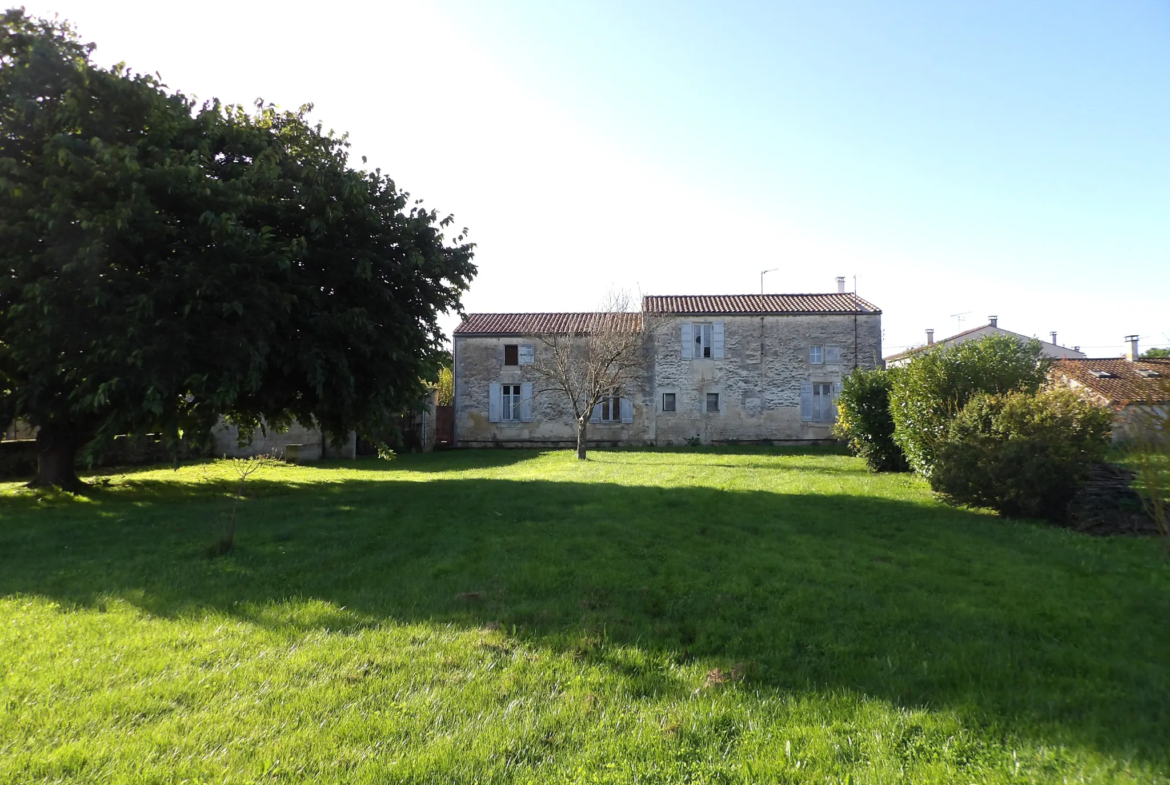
point(993, 157)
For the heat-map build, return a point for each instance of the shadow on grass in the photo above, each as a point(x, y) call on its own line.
point(1036, 632)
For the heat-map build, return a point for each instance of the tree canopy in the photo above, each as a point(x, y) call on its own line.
point(165, 262)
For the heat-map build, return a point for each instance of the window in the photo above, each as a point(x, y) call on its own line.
point(824, 407)
point(510, 402)
point(816, 354)
point(704, 340)
point(668, 402)
point(611, 409)
point(712, 402)
point(511, 354)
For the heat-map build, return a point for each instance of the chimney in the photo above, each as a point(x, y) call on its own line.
point(1053, 334)
point(1132, 352)
point(840, 284)
point(994, 320)
point(930, 337)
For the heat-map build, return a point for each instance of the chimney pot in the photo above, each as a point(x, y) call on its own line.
point(840, 284)
point(930, 337)
point(1132, 352)
point(994, 320)
point(1053, 334)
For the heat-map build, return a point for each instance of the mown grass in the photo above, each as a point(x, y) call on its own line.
point(689, 616)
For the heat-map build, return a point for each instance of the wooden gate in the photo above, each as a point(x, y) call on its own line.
point(444, 427)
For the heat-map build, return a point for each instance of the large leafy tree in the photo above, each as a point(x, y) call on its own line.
point(163, 262)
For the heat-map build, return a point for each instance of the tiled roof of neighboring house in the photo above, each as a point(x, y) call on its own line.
point(964, 334)
point(1124, 384)
point(757, 304)
point(536, 323)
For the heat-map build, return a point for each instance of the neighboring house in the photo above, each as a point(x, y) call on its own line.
point(718, 368)
point(1133, 387)
point(1048, 348)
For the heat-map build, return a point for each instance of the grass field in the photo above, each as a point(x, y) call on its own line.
point(676, 616)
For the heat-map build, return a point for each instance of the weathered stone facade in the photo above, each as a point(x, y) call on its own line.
point(308, 443)
point(765, 376)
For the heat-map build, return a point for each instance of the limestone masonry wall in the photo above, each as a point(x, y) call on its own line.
point(758, 380)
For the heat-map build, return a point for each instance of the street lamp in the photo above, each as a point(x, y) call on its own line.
point(762, 272)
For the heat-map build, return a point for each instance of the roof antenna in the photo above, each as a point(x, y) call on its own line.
point(960, 316)
point(762, 272)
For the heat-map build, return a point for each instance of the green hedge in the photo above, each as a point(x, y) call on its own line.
point(864, 420)
point(1020, 454)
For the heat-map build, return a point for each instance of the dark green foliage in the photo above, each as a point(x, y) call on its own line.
point(1153, 354)
point(1021, 454)
point(167, 262)
point(936, 385)
point(865, 422)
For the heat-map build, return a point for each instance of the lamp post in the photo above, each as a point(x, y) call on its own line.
point(762, 273)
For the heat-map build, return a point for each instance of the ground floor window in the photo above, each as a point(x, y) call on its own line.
point(510, 402)
point(611, 408)
point(824, 405)
point(668, 402)
point(712, 402)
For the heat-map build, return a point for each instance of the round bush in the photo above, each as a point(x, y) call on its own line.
point(864, 420)
point(1020, 454)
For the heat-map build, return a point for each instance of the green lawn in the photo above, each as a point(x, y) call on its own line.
point(734, 615)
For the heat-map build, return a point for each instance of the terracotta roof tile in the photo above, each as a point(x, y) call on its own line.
point(754, 304)
point(1124, 384)
point(536, 323)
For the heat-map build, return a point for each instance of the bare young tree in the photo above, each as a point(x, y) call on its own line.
point(598, 356)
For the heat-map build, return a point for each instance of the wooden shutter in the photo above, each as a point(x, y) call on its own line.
point(494, 402)
point(806, 401)
point(833, 355)
point(688, 341)
point(525, 400)
point(717, 341)
point(527, 354)
point(596, 416)
point(627, 410)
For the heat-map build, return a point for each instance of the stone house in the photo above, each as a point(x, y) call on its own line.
point(1047, 348)
point(719, 368)
point(1137, 389)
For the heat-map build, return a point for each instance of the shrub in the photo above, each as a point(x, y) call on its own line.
point(864, 420)
point(1021, 454)
point(445, 387)
point(934, 387)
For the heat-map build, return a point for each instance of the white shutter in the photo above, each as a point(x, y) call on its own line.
point(688, 341)
point(627, 410)
point(596, 416)
point(494, 402)
point(833, 355)
point(525, 354)
point(526, 401)
point(806, 402)
point(833, 402)
point(717, 341)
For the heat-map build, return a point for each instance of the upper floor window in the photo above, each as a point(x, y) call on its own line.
point(816, 354)
point(704, 340)
point(511, 354)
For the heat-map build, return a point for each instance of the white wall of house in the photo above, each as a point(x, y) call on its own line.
point(1047, 349)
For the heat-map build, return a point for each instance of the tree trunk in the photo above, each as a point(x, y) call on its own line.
point(56, 459)
point(581, 425)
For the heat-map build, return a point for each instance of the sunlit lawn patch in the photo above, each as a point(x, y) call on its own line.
point(675, 616)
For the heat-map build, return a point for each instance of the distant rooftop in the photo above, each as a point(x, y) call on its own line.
point(758, 304)
point(1118, 380)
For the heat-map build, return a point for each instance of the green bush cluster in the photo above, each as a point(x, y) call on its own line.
point(1020, 454)
point(930, 392)
point(864, 421)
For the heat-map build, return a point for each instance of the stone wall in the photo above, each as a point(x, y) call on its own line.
point(758, 381)
point(766, 358)
point(225, 443)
